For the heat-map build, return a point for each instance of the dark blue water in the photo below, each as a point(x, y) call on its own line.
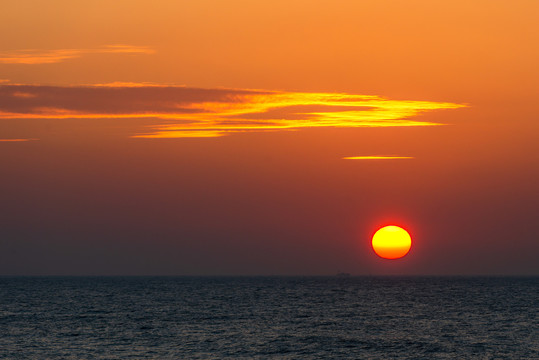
point(269, 317)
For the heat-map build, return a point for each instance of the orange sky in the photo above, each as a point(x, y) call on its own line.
point(237, 137)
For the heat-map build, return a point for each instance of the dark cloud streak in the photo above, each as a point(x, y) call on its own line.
point(111, 100)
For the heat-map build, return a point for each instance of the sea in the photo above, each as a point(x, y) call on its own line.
point(337, 317)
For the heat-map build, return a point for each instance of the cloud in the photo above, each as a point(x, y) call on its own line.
point(16, 140)
point(119, 84)
point(377, 157)
point(33, 56)
point(194, 112)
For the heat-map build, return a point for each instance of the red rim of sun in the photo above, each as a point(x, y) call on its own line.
point(391, 242)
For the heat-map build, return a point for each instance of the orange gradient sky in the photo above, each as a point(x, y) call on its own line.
point(217, 137)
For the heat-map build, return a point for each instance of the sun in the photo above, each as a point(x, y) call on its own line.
point(391, 242)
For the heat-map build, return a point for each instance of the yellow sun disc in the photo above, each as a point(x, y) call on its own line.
point(391, 242)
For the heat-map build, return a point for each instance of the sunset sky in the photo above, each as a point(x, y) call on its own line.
point(274, 137)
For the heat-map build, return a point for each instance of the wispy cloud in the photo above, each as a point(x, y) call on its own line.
point(35, 56)
point(193, 112)
point(16, 140)
point(377, 157)
point(120, 84)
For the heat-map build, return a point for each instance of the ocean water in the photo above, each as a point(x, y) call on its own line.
point(269, 318)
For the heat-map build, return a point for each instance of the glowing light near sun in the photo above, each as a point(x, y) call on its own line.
point(391, 242)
